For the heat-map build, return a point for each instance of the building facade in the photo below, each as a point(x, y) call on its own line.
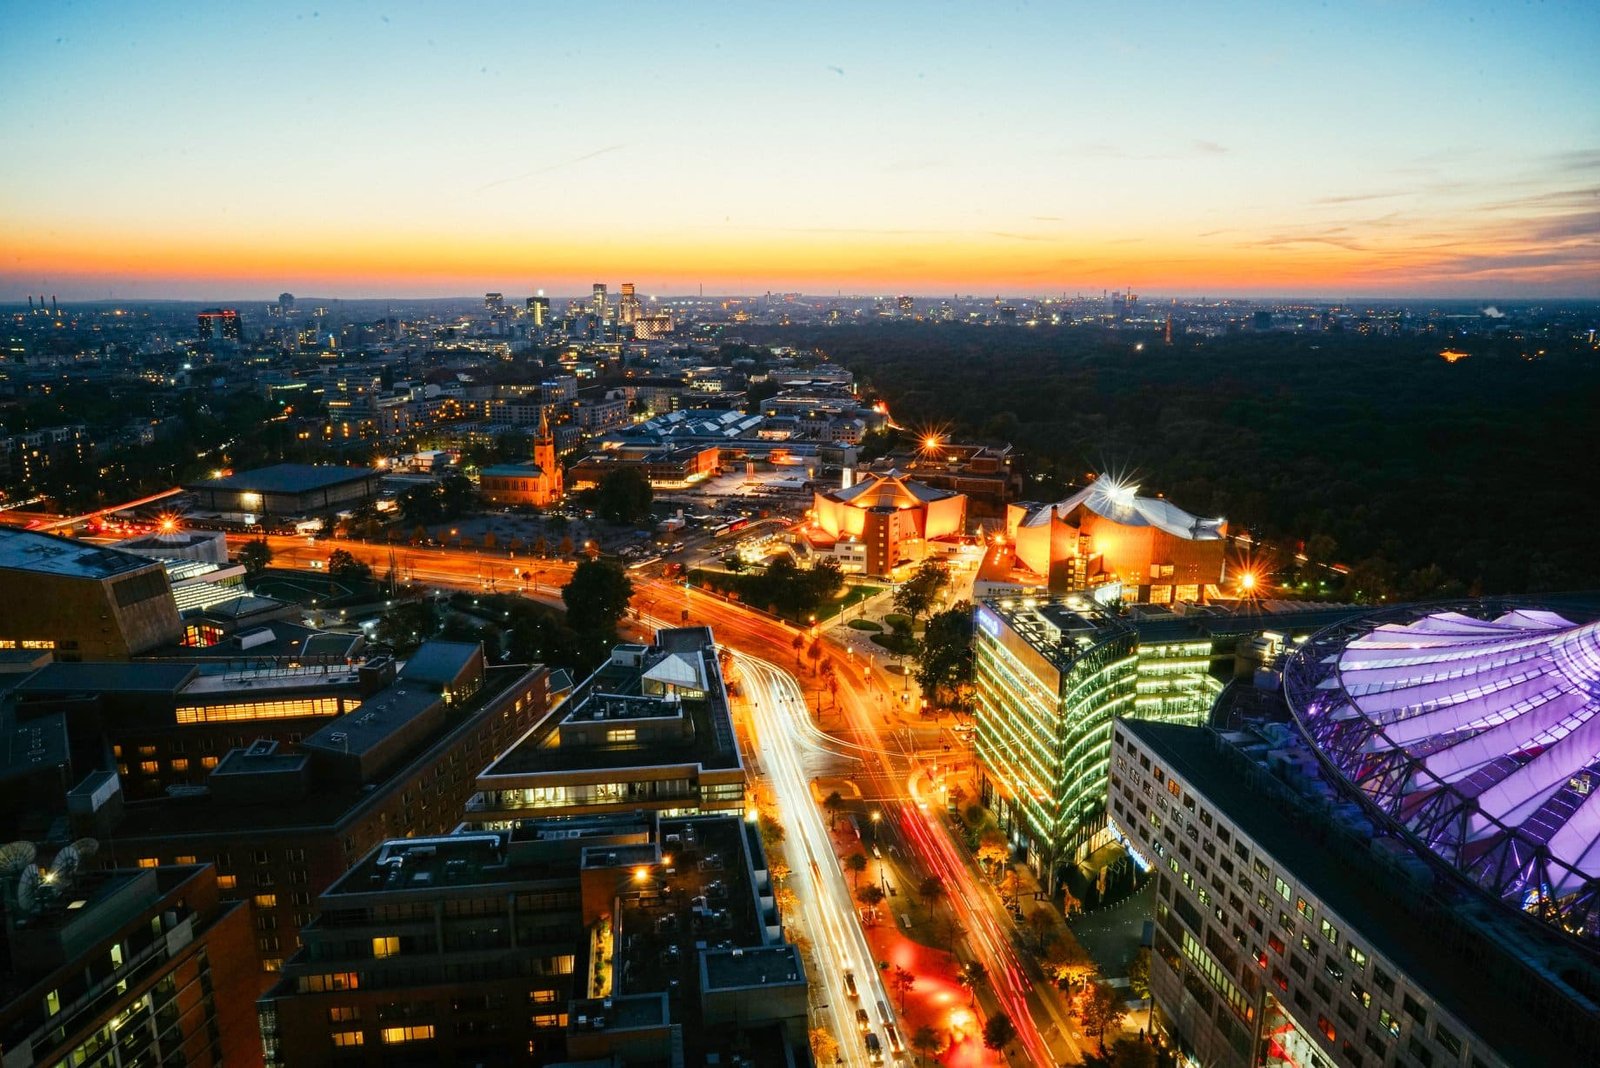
point(650, 729)
point(1106, 534)
point(128, 966)
point(537, 483)
point(1288, 935)
point(1051, 676)
point(82, 601)
point(893, 517)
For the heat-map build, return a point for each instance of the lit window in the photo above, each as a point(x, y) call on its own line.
point(622, 735)
point(395, 1035)
point(227, 882)
point(149, 862)
point(208, 762)
point(180, 764)
point(187, 858)
point(351, 1038)
point(1283, 889)
point(344, 1013)
point(266, 901)
point(1303, 907)
point(385, 946)
point(149, 767)
point(1330, 932)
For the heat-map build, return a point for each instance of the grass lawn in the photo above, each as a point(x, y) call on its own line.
point(864, 624)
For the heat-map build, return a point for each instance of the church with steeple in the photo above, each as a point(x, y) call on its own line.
point(537, 482)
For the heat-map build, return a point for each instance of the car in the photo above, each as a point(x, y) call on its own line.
point(863, 1021)
point(874, 1048)
point(850, 986)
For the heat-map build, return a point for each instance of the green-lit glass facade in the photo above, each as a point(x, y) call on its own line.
point(1049, 681)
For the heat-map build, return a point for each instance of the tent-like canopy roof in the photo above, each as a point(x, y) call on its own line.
point(1122, 504)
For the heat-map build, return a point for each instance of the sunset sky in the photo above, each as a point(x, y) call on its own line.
point(397, 149)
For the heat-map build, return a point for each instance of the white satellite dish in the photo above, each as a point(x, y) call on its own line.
point(28, 888)
point(15, 856)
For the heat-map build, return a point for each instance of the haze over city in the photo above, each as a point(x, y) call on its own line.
point(385, 150)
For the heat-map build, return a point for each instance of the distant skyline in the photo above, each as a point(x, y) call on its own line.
point(413, 150)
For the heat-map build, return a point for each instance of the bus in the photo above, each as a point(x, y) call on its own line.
point(732, 526)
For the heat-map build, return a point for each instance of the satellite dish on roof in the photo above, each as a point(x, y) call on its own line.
point(28, 888)
point(86, 847)
point(15, 856)
point(65, 867)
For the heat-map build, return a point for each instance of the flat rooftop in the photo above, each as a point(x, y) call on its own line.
point(1355, 888)
point(94, 676)
point(378, 718)
point(288, 478)
point(730, 969)
point(327, 803)
point(616, 690)
point(46, 554)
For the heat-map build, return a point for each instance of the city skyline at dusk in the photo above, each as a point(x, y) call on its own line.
point(365, 150)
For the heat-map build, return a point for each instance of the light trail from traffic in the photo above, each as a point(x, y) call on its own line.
point(777, 708)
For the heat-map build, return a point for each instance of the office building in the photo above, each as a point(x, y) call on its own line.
point(666, 467)
point(597, 304)
point(1108, 535)
point(628, 309)
point(299, 777)
point(1051, 676)
point(286, 491)
point(220, 324)
point(536, 483)
point(494, 304)
point(539, 311)
point(889, 518)
point(621, 939)
point(650, 729)
point(1296, 926)
point(82, 601)
point(123, 967)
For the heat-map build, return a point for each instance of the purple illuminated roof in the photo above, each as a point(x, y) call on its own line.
point(1479, 737)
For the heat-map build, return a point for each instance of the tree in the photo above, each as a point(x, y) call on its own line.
point(871, 895)
point(900, 982)
point(834, 802)
point(998, 1031)
point(915, 596)
point(798, 644)
point(1067, 960)
point(1041, 924)
point(597, 598)
point(972, 974)
point(1102, 1011)
point(927, 1041)
point(343, 567)
point(1139, 973)
point(1132, 1053)
point(944, 660)
point(931, 889)
point(772, 832)
point(623, 497)
point(824, 1047)
point(993, 849)
point(857, 863)
point(255, 556)
point(406, 626)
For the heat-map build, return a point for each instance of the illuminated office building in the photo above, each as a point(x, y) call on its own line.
point(1050, 677)
point(220, 324)
point(597, 303)
point(628, 310)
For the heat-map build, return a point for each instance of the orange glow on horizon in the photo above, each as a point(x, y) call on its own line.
point(447, 262)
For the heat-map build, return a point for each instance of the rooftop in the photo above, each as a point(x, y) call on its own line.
point(328, 802)
point(29, 550)
point(288, 478)
point(1386, 911)
point(1122, 504)
point(725, 969)
point(1477, 733)
point(94, 676)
